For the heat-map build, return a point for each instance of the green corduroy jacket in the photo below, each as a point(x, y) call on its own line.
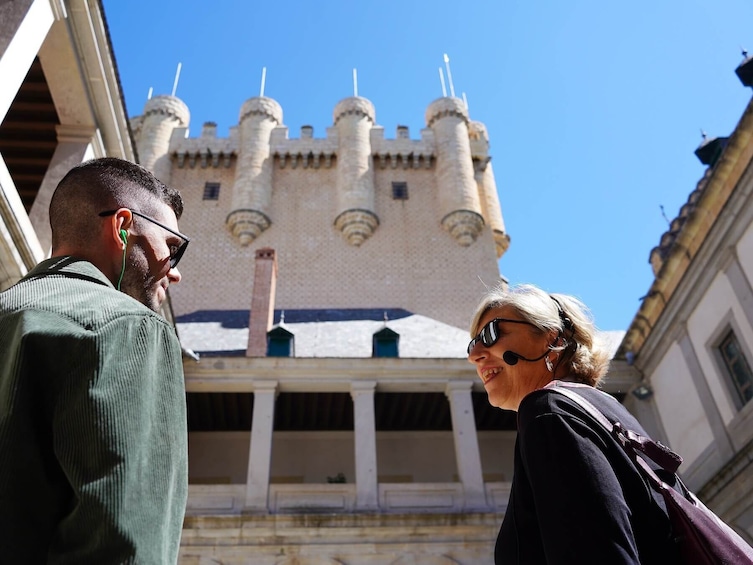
point(93, 435)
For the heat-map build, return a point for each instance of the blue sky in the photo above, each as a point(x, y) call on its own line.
point(593, 108)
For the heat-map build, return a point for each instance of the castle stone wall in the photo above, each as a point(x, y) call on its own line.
point(409, 262)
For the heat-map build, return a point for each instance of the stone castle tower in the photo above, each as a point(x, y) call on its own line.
point(357, 220)
point(327, 290)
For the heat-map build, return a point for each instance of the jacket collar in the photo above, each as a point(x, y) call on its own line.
point(69, 266)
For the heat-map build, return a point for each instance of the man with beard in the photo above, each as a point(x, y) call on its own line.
point(93, 442)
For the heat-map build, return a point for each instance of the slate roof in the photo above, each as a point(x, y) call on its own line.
point(342, 333)
point(334, 333)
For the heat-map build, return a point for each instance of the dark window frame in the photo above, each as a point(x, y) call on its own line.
point(736, 364)
point(211, 191)
point(385, 343)
point(399, 190)
point(280, 343)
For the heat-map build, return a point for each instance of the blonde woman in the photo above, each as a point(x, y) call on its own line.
point(576, 497)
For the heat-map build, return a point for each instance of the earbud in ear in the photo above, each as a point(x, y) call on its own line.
point(124, 236)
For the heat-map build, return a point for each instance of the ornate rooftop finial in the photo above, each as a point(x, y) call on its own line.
point(664, 214)
point(744, 70)
point(282, 316)
point(710, 149)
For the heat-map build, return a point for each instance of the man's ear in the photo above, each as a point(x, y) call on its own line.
point(119, 227)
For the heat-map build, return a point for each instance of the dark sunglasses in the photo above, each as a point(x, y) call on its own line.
point(489, 334)
point(176, 251)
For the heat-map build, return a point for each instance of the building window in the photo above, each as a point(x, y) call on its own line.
point(211, 191)
point(385, 343)
point(279, 343)
point(738, 367)
point(400, 191)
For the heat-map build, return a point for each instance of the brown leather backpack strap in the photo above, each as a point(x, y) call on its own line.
point(630, 440)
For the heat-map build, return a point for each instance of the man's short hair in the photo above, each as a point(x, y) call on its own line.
point(104, 184)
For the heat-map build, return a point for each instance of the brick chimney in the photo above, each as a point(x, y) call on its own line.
point(262, 302)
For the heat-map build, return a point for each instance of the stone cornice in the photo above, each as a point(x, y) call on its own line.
point(694, 232)
point(236, 374)
point(295, 374)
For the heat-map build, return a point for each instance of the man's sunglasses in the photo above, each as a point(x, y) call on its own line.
point(489, 334)
point(176, 251)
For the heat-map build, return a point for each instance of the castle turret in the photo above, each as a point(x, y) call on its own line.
point(487, 186)
point(162, 114)
point(458, 194)
point(356, 219)
point(252, 191)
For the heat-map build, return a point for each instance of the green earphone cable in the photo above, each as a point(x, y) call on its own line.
point(122, 269)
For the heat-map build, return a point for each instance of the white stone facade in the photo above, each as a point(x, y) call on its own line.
point(703, 296)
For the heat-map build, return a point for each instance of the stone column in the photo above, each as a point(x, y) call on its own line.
point(24, 29)
point(73, 148)
point(260, 453)
point(467, 453)
point(367, 490)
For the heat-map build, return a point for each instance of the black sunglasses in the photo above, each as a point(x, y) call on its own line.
point(489, 334)
point(176, 252)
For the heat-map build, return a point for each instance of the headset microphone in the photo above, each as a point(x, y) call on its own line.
point(512, 358)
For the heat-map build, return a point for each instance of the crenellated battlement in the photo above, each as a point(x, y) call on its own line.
point(306, 151)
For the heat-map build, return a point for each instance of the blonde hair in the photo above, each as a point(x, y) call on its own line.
point(588, 360)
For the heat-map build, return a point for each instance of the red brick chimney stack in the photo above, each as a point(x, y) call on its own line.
point(262, 302)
